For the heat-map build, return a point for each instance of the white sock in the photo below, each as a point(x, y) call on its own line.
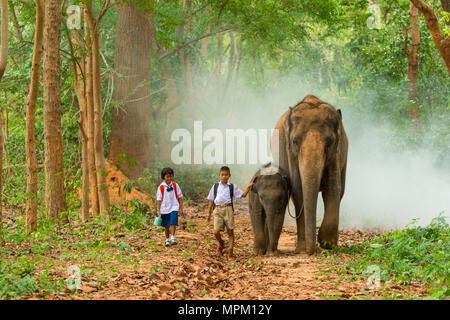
point(172, 237)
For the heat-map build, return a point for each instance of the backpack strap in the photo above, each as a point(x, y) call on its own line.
point(231, 195)
point(161, 188)
point(216, 186)
point(175, 189)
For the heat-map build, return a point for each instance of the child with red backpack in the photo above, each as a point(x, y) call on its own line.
point(169, 203)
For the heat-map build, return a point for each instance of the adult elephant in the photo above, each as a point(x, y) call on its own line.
point(312, 148)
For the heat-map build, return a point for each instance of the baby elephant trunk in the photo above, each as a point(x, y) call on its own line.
point(274, 221)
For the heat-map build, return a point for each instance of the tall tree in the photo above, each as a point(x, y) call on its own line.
point(412, 54)
point(30, 130)
point(94, 48)
point(3, 62)
point(79, 62)
point(442, 43)
point(55, 197)
point(132, 141)
point(90, 130)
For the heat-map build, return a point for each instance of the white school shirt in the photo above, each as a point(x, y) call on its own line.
point(223, 194)
point(170, 202)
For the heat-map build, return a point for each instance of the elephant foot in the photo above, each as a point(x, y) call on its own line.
point(259, 251)
point(301, 246)
point(327, 242)
point(273, 253)
point(311, 248)
point(327, 239)
point(327, 245)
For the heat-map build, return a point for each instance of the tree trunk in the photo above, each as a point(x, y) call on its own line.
point(442, 43)
point(30, 130)
point(90, 128)
point(168, 116)
point(100, 166)
point(1, 177)
point(17, 27)
point(413, 65)
point(79, 66)
point(55, 197)
point(3, 61)
point(4, 40)
point(132, 142)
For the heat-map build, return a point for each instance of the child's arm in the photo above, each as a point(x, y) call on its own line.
point(158, 208)
point(210, 205)
point(180, 201)
point(247, 190)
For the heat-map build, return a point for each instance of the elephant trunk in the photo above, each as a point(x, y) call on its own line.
point(274, 222)
point(311, 165)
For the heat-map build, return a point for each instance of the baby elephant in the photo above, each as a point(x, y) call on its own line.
point(267, 202)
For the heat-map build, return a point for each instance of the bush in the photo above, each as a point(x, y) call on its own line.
point(412, 254)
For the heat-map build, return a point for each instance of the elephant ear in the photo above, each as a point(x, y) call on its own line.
point(286, 178)
point(287, 128)
point(253, 188)
point(340, 113)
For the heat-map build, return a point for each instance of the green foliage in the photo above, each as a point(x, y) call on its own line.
point(134, 219)
point(326, 44)
point(412, 254)
point(15, 278)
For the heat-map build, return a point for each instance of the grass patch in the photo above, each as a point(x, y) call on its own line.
point(411, 254)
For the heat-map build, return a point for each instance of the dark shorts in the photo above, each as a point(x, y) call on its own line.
point(169, 219)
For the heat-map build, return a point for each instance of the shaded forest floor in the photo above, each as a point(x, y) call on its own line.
point(120, 264)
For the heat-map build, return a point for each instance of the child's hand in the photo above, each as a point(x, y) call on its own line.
point(180, 211)
point(208, 217)
point(158, 213)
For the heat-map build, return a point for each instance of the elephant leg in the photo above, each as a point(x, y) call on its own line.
point(328, 232)
point(258, 223)
point(275, 225)
point(300, 221)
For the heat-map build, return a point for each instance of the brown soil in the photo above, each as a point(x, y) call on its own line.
point(191, 269)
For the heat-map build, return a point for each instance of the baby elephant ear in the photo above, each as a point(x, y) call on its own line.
point(253, 188)
point(288, 181)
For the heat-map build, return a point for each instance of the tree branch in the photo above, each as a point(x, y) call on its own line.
point(105, 8)
point(405, 43)
point(171, 52)
point(436, 34)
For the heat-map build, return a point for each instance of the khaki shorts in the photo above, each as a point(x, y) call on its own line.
point(223, 216)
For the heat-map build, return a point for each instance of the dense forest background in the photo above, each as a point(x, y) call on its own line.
point(93, 90)
point(208, 57)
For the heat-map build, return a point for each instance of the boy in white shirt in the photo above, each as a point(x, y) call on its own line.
point(221, 198)
point(169, 203)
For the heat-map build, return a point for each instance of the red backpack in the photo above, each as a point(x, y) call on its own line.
point(162, 188)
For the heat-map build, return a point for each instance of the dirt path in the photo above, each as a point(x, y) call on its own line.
point(192, 270)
